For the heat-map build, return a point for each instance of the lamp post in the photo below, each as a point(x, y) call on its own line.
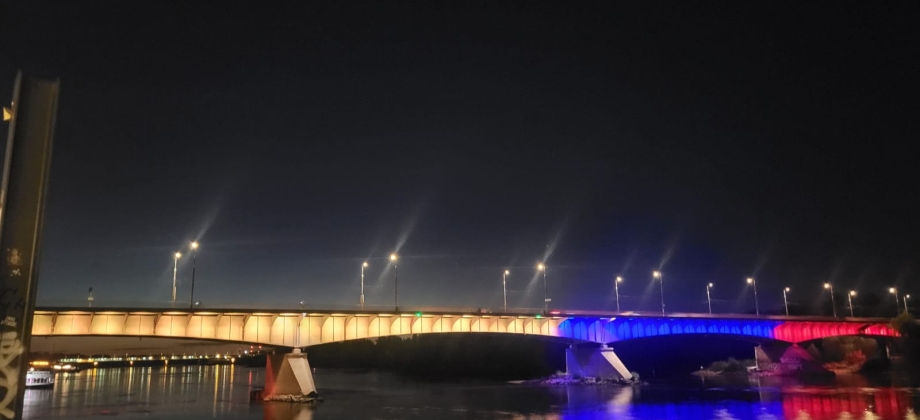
point(505, 289)
point(541, 267)
point(905, 303)
point(657, 275)
point(708, 297)
point(616, 289)
point(191, 300)
point(752, 282)
point(850, 301)
point(785, 301)
point(897, 300)
point(830, 287)
point(394, 258)
point(175, 270)
point(363, 266)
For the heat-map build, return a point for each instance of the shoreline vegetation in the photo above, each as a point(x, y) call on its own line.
point(731, 366)
point(832, 356)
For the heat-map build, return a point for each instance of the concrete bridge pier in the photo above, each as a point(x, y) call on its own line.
point(289, 374)
point(599, 362)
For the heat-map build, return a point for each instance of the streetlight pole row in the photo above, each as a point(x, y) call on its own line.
point(191, 302)
point(394, 258)
point(194, 248)
point(541, 267)
point(830, 287)
point(505, 289)
point(708, 297)
point(753, 282)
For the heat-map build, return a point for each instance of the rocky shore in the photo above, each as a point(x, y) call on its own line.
point(588, 380)
point(311, 398)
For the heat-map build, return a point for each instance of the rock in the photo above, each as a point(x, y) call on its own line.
point(312, 398)
point(588, 380)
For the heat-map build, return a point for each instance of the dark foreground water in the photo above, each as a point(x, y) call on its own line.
point(222, 392)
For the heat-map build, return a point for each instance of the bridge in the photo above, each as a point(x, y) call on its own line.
point(286, 328)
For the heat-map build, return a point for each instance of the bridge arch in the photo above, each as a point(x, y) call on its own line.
point(279, 329)
point(287, 329)
point(610, 330)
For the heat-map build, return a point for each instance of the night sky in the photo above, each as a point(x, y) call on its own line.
point(712, 140)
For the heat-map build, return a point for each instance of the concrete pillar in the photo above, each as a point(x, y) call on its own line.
point(599, 362)
point(289, 375)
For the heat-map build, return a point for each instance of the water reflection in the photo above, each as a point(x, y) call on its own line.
point(284, 411)
point(830, 404)
point(140, 390)
point(222, 392)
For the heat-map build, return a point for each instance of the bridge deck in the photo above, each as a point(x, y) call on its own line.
point(293, 329)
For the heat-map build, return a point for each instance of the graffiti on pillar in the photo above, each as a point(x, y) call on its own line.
point(10, 350)
point(10, 342)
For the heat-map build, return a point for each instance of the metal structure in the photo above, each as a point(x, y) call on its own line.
point(25, 170)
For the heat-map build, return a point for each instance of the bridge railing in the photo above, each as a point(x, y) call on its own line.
point(133, 306)
point(249, 306)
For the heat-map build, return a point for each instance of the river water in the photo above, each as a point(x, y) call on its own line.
point(222, 392)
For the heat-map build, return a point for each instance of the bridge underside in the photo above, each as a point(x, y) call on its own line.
point(301, 330)
point(612, 330)
point(279, 329)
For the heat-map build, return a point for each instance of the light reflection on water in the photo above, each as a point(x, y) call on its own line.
point(222, 392)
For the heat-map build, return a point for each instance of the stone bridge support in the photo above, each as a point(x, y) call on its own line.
point(598, 362)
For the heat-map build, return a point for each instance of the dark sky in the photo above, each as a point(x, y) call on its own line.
point(715, 140)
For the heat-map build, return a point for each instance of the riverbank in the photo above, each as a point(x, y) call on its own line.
point(563, 379)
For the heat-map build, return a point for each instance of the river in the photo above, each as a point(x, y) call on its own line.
point(222, 392)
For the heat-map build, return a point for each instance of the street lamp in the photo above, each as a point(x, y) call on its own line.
point(616, 289)
point(191, 300)
point(850, 301)
point(175, 269)
point(830, 287)
point(394, 259)
point(657, 275)
point(708, 298)
point(752, 282)
point(905, 303)
point(897, 300)
point(505, 289)
point(785, 301)
point(541, 267)
point(363, 266)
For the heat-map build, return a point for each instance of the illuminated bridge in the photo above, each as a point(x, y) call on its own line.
point(301, 329)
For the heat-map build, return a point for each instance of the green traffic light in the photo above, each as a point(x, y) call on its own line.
point(418, 314)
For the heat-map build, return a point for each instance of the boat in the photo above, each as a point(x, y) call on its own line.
point(39, 379)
